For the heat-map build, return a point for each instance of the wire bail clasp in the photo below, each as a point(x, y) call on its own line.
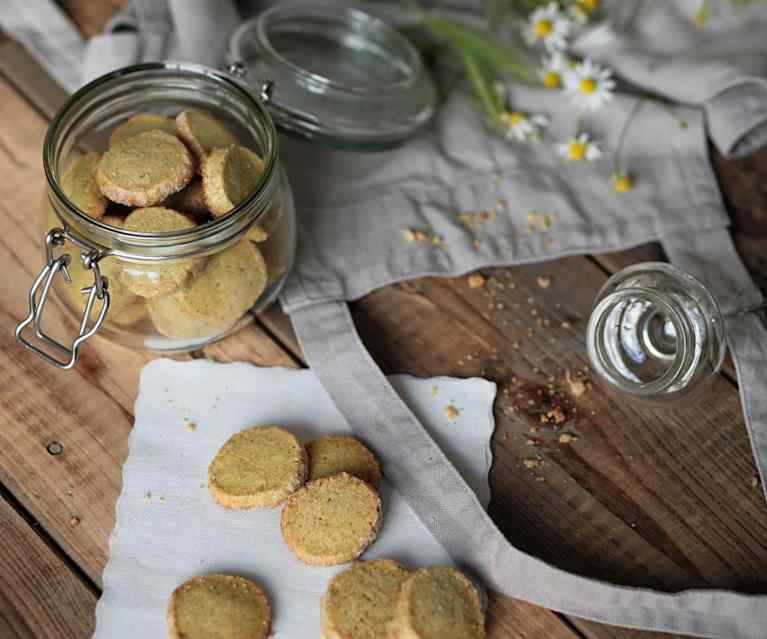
point(99, 290)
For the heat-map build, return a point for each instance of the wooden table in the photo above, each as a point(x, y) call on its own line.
point(647, 498)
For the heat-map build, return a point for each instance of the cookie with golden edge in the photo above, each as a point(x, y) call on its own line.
point(359, 602)
point(153, 280)
point(139, 123)
point(229, 175)
point(228, 285)
point(331, 520)
point(144, 169)
point(218, 607)
point(79, 185)
point(333, 454)
point(172, 320)
point(438, 603)
point(257, 468)
point(202, 133)
point(220, 293)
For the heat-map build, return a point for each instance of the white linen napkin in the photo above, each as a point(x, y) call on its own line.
point(169, 528)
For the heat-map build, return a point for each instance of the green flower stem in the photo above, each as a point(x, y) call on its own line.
point(484, 90)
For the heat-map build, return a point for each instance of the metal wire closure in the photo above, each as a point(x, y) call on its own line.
point(43, 283)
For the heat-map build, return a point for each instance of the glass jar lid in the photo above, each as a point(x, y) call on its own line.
point(335, 74)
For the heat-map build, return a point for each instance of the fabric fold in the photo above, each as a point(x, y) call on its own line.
point(446, 505)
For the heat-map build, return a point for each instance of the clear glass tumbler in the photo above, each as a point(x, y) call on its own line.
point(656, 333)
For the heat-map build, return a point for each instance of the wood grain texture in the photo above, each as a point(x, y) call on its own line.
point(91, 16)
point(39, 596)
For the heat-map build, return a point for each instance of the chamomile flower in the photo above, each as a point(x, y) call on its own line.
point(589, 85)
point(621, 181)
point(548, 26)
point(579, 148)
point(553, 69)
point(523, 127)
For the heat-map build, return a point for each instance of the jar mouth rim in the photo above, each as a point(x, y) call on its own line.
point(140, 239)
point(638, 388)
point(347, 16)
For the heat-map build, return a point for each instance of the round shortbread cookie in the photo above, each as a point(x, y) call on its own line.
point(144, 169)
point(331, 520)
point(219, 607)
point(202, 133)
point(228, 177)
point(79, 185)
point(172, 320)
point(153, 280)
point(257, 468)
point(335, 454)
point(138, 124)
point(438, 603)
point(359, 603)
point(228, 285)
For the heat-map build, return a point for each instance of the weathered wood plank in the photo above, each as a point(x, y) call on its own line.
point(39, 596)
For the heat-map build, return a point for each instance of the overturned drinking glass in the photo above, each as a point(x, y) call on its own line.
point(657, 333)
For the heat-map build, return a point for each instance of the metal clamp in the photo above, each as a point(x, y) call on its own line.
point(43, 283)
point(239, 70)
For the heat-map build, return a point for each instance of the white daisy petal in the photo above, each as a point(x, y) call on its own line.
point(549, 26)
point(579, 148)
point(522, 127)
point(589, 85)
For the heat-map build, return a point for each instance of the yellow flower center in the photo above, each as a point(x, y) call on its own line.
point(543, 28)
point(588, 5)
point(622, 183)
point(552, 80)
point(516, 117)
point(576, 151)
point(588, 86)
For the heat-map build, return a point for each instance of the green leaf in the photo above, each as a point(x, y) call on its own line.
point(482, 86)
point(482, 47)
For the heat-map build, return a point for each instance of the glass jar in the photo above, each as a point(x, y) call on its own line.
point(656, 333)
point(171, 291)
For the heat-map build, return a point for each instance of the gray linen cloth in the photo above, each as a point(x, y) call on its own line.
point(354, 207)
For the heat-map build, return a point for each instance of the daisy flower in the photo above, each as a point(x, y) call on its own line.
point(621, 181)
point(553, 69)
point(549, 26)
point(522, 127)
point(579, 148)
point(590, 85)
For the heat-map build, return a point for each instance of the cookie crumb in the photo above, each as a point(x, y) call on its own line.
point(74, 522)
point(476, 280)
point(544, 281)
point(190, 427)
point(452, 412)
point(409, 235)
point(577, 384)
point(566, 438)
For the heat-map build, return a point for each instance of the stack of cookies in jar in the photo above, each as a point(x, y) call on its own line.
point(161, 174)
